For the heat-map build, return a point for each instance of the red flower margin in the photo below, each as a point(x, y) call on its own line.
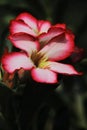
point(42, 45)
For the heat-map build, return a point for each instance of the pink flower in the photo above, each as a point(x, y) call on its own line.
point(42, 45)
point(26, 30)
point(42, 30)
point(41, 56)
point(26, 23)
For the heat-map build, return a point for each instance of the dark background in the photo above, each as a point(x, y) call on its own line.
point(45, 108)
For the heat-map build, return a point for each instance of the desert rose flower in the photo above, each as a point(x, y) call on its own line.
point(42, 30)
point(41, 61)
point(26, 23)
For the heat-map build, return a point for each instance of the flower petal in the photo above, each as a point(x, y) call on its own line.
point(43, 26)
point(63, 26)
point(44, 75)
point(53, 32)
point(70, 33)
point(24, 41)
point(63, 68)
point(20, 26)
point(16, 60)
point(59, 48)
point(28, 19)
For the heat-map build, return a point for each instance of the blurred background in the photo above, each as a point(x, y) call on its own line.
point(45, 109)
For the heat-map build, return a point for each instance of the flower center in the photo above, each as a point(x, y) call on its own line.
point(39, 59)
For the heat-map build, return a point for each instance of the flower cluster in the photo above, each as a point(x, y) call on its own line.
point(42, 45)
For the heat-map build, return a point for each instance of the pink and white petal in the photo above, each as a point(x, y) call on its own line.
point(52, 32)
point(63, 26)
point(20, 26)
point(28, 19)
point(43, 26)
point(59, 48)
point(44, 75)
point(16, 60)
point(24, 42)
point(63, 68)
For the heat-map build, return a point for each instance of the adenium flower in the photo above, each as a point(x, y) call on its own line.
point(26, 23)
point(42, 47)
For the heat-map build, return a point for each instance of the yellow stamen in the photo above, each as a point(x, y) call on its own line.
point(43, 64)
point(39, 59)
